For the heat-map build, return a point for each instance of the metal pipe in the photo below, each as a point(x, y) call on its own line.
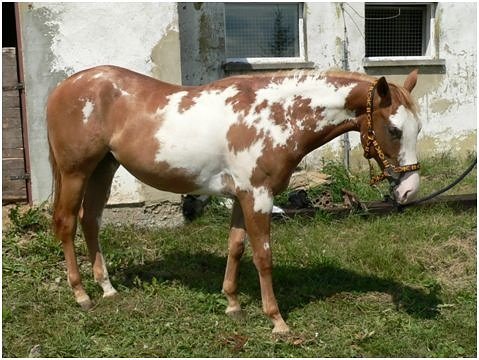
point(345, 62)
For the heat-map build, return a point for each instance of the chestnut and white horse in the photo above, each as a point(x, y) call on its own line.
point(240, 137)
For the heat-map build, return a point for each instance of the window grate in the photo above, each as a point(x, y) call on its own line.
point(395, 30)
point(261, 30)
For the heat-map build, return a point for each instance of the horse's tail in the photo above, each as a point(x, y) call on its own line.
point(57, 179)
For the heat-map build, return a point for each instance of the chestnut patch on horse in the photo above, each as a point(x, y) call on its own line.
point(241, 136)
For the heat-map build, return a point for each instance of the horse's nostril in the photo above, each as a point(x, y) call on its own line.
point(406, 195)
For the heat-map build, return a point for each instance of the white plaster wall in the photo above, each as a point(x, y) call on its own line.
point(448, 110)
point(63, 38)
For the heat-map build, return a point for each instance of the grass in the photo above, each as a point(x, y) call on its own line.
point(402, 285)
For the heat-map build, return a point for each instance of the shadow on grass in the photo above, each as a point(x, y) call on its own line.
point(294, 286)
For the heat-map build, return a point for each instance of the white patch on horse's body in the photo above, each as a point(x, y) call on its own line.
point(243, 164)
point(266, 245)
point(315, 88)
point(405, 121)
point(263, 201)
point(195, 140)
point(87, 110)
point(97, 75)
point(123, 92)
point(77, 78)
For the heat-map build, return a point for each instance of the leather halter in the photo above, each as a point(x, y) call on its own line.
point(390, 172)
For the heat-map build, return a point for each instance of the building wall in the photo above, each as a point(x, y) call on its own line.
point(202, 37)
point(447, 94)
point(60, 39)
point(185, 43)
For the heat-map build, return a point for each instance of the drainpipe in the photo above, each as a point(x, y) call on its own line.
point(345, 66)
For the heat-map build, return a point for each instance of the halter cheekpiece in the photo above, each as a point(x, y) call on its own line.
point(389, 171)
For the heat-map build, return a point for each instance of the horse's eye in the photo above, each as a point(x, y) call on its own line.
point(395, 132)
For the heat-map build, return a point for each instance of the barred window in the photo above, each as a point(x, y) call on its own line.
point(263, 30)
point(396, 30)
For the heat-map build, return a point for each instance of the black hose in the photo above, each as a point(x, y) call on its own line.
point(438, 192)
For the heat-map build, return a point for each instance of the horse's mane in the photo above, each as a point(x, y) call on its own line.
point(398, 92)
point(404, 97)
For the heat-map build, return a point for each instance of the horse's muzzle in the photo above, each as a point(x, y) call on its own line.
point(405, 188)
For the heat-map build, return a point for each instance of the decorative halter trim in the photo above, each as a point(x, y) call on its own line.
point(390, 171)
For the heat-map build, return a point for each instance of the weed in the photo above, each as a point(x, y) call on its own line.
point(34, 219)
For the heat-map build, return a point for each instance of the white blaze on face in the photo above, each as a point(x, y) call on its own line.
point(404, 120)
point(87, 110)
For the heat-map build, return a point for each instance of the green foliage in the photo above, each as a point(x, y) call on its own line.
point(340, 178)
point(34, 219)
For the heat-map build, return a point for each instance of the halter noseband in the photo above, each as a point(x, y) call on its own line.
point(390, 172)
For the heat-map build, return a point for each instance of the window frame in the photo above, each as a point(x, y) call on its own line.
point(268, 61)
point(430, 50)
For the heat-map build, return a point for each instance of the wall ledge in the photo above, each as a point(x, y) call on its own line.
point(402, 61)
point(241, 66)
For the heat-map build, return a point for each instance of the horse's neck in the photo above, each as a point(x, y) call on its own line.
point(335, 105)
point(312, 141)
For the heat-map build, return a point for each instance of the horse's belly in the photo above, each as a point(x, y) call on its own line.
point(182, 173)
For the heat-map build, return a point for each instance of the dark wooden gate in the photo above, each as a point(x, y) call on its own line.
point(14, 175)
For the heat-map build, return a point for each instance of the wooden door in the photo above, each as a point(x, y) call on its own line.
point(14, 175)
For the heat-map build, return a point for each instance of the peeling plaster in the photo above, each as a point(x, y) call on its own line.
point(63, 38)
point(165, 57)
point(77, 46)
point(440, 105)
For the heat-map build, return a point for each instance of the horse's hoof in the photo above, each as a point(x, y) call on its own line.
point(236, 314)
point(281, 329)
point(110, 294)
point(85, 303)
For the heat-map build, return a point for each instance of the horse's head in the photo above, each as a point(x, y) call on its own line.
point(389, 135)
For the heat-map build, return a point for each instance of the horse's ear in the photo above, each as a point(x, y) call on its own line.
point(411, 80)
point(382, 88)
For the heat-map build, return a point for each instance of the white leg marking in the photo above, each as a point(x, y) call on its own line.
point(104, 282)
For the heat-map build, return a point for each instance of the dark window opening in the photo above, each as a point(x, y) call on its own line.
point(9, 30)
point(262, 30)
point(393, 30)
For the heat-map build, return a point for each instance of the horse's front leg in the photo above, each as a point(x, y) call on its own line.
point(257, 218)
point(235, 251)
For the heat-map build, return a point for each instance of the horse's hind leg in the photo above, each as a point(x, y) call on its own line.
point(95, 198)
point(65, 215)
point(235, 251)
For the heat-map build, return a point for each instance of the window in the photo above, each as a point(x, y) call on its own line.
point(402, 32)
point(264, 32)
point(395, 30)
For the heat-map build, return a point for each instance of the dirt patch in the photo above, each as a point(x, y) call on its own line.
point(164, 214)
point(453, 262)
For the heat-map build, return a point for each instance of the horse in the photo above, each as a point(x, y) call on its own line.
point(240, 137)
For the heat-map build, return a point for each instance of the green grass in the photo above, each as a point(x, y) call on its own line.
point(402, 285)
